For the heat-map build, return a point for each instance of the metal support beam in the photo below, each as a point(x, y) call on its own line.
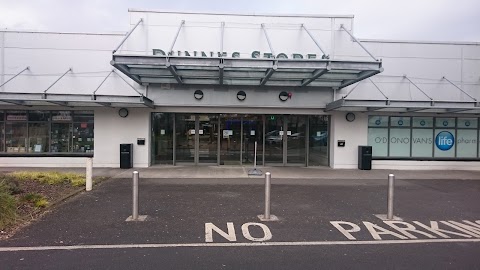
point(456, 110)
point(268, 40)
point(358, 41)
point(268, 74)
point(416, 109)
point(378, 88)
point(27, 68)
point(221, 37)
point(126, 36)
point(70, 69)
point(316, 74)
point(59, 103)
point(325, 56)
point(134, 89)
point(176, 36)
point(173, 70)
point(147, 102)
point(103, 82)
point(372, 109)
point(444, 78)
point(361, 76)
point(125, 70)
point(106, 104)
point(405, 77)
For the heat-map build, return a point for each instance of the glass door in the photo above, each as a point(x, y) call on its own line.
point(162, 138)
point(274, 135)
point(252, 132)
point(185, 138)
point(207, 126)
point(231, 139)
point(318, 136)
point(296, 147)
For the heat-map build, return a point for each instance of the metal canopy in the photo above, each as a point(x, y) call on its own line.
point(405, 106)
point(158, 69)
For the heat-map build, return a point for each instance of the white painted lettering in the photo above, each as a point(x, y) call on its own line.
point(461, 228)
point(406, 229)
point(433, 228)
point(267, 235)
point(376, 231)
point(230, 236)
point(347, 233)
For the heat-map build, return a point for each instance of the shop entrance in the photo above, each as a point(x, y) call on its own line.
point(229, 139)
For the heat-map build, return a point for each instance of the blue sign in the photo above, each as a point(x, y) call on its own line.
point(444, 140)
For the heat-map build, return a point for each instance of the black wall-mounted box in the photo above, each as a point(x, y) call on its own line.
point(140, 141)
point(341, 143)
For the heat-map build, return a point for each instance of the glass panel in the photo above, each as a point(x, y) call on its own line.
point(424, 122)
point(83, 137)
point(399, 142)
point(296, 127)
point(162, 141)
point(2, 115)
point(61, 116)
point(208, 140)
point(185, 137)
point(83, 116)
point(252, 131)
point(2, 136)
point(422, 142)
point(39, 116)
point(274, 139)
point(467, 143)
point(378, 139)
point(444, 142)
point(16, 136)
point(377, 121)
point(318, 145)
point(400, 121)
point(61, 137)
point(38, 141)
point(467, 123)
point(16, 116)
point(230, 140)
point(445, 122)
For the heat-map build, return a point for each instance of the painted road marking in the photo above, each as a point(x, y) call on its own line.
point(232, 237)
point(253, 244)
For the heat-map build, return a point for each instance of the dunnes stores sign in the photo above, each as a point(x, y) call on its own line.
point(254, 54)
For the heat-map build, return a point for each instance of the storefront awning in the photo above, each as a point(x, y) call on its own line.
point(74, 100)
point(405, 106)
point(159, 69)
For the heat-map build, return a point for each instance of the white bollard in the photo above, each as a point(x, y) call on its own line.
point(89, 174)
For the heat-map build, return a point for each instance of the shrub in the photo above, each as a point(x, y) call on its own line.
point(36, 199)
point(9, 185)
point(8, 209)
point(51, 178)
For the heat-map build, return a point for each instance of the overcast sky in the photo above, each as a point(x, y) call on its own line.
point(437, 20)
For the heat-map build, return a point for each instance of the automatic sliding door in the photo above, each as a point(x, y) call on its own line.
point(207, 138)
point(185, 138)
point(274, 135)
point(252, 132)
point(296, 128)
point(231, 139)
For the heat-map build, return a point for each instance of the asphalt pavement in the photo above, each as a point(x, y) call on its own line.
point(197, 223)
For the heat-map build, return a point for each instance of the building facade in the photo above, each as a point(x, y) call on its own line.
point(214, 89)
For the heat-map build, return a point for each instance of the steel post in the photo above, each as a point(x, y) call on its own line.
point(135, 196)
point(268, 179)
point(89, 174)
point(255, 156)
point(391, 183)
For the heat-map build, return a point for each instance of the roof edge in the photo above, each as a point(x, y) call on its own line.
point(421, 42)
point(113, 33)
point(241, 14)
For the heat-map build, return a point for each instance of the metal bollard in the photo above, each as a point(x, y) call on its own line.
point(268, 180)
point(135, 196)
point(88, 174)
point(391, 183)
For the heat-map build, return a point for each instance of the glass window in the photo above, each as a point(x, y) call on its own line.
point(61, 116)
point(445, 122)
point(83, 137)
point(83, 116)
point(16, 116)
point(467, 123)
point(400, 121)
point(467, 143)
point(16, 136)
point(422, 142)
point(38, 116)
point(2, 115)
point(2, 136)
point(38, 137)
point(377, 121)
point(61, 137)
point(378, 139)
point(399, 142)
point(422, 122)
